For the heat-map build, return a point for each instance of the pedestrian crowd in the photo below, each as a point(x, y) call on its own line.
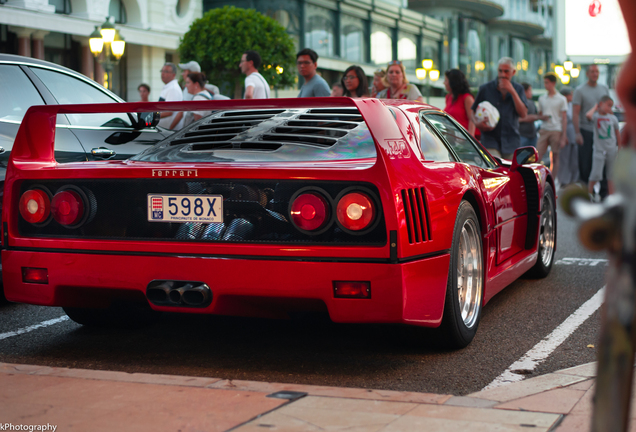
point(577, 126)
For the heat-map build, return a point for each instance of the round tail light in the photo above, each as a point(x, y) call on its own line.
point(309, 212)
point(35, 206)
point(355, 211)
point(67, 207)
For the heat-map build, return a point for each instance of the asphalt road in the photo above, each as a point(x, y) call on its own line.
point(315, 351)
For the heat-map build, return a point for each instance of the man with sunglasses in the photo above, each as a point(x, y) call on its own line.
point(315, 85)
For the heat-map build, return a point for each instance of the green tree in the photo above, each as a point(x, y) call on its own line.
point(219, 38)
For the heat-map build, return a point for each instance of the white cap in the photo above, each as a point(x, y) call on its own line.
point(192, 66)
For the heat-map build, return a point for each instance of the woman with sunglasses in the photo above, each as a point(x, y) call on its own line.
point(397, 84)
point(459, 100)
point(355, 83)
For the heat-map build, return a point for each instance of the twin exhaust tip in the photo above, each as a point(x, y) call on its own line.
point(179, 293)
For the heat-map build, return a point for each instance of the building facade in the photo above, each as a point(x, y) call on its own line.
point(369, 33)
point(58, 30)
point(480, 32)
point(467, 34)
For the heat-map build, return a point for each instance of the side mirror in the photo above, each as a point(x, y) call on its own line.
point(145, 120)
point(524, 155)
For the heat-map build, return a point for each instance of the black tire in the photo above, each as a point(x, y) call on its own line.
point(464, 297)
point(120, 315)
point(546, 243)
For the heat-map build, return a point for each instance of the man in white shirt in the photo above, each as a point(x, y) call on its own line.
point(553, 131)
point(170, 92)
point(255, 85)
point(186, 68)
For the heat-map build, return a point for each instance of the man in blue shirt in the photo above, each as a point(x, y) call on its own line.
point(510, 99)
point(315, 85)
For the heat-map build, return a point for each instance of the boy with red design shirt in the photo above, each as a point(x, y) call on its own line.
point(606, 142)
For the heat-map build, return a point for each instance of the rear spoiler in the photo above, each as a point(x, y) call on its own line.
point(35, 141)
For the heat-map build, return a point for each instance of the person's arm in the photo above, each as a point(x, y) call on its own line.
point(564, 128)
point(576, 117)
point(520, 106)
point(626, 83)
point(249, 92)
point(176, 120)
point(533, 117)
point(591, 112)
point(468, 103)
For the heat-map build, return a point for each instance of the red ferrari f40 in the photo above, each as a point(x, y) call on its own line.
point(374, 211)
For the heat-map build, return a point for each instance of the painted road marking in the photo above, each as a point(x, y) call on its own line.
point(530, 360)
point(591, 262)
point(33, 327)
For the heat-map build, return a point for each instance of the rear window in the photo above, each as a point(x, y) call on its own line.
point(277, 135)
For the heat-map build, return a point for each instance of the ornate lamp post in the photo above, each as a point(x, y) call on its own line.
point(108, 41)
point(566, 71)
point(428, 72)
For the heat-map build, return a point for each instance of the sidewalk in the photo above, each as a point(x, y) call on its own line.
point(90, 400)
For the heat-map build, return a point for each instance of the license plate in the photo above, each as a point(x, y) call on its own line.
point(185, 208)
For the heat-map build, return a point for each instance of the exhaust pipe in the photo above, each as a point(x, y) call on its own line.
point(159, 293)
point(197, 296)
point(179, 293)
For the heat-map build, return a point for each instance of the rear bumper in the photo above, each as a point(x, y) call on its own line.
point(410, 293)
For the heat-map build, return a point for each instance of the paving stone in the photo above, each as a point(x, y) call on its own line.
point(99, 405)
point(485, 415)
point(355, 393)
point(558, 401)
point(527, 387)
point(472, 402)
point(586, 370)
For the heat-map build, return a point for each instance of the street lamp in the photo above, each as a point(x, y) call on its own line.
point(108, 41)
point(428, 72)
point(566, 71)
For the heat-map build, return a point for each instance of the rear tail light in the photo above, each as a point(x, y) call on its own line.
point(35, 206)
point(349, 289)
point(35, 275)
point(355, 211)
point(67, 207)
point(310, 211)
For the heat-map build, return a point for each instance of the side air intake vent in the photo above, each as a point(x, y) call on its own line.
point(416, 214)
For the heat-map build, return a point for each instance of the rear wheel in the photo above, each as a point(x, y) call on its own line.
point(547, 236)
point(464, 292)
point(122, 315)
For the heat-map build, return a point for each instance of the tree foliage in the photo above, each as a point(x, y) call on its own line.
point(219, 38)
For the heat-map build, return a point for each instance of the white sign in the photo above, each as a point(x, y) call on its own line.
point(595, 28)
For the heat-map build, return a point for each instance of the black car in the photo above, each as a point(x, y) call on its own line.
point(26, 81)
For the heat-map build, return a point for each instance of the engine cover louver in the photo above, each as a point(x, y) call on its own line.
point(268, 130)
point(416, 215)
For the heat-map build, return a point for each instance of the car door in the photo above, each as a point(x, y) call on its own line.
point(503, 191)
point(103, 136)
